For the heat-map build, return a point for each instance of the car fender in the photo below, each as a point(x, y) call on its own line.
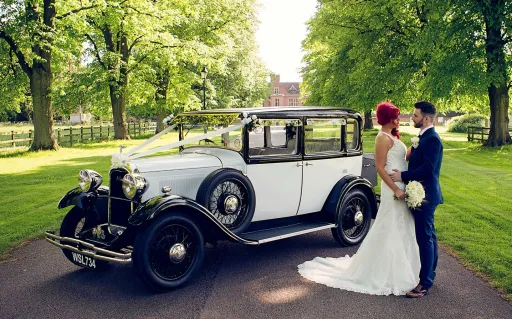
point(341, 189)
point(78, 198)
point(156, 206)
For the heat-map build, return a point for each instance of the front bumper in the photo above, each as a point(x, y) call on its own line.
point(88, 249)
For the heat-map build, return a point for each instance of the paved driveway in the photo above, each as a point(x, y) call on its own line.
point(236, 282)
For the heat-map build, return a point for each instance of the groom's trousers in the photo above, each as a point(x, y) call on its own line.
point(427, 243)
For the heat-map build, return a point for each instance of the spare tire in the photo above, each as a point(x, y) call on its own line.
point(230, 197)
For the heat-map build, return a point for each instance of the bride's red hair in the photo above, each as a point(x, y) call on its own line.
point(386, 113)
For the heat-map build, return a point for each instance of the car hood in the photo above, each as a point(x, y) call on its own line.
point(177, 162)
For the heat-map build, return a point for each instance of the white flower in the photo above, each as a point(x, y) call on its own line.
point(245, 114)
point(254, 117)
point(119, 160)
point(168, 119)
point(415, 141)
point(414, 194)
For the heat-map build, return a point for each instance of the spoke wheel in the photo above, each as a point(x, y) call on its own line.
point(354, 218)
point(230, 197)
point(353, 223)
point(229, 203)
point(169, 252)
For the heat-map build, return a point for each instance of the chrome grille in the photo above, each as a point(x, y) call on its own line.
point(119, 209)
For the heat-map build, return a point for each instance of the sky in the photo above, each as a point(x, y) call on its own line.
point(281, 31)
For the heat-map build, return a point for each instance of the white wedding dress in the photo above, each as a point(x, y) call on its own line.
point(388, 261)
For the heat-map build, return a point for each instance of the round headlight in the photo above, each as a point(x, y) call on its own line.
point(89, 180)
point(134, 185)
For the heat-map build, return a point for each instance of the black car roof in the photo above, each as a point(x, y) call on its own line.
point(284, 111)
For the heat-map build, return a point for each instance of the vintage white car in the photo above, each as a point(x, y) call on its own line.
point(251, 176)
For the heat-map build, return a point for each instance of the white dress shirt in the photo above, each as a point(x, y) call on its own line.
point(426, 128)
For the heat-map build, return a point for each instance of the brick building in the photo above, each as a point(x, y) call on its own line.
point(283, 93)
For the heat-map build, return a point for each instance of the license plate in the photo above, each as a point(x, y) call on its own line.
point(83, 260)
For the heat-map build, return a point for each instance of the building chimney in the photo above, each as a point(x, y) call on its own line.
point(277, 79)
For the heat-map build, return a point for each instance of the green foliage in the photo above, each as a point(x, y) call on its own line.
point(461, 123)
point(359, 53)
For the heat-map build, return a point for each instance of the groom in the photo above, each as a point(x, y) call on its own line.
point(424, 166)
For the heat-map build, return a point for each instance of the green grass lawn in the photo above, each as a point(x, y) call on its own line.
point(475, 222)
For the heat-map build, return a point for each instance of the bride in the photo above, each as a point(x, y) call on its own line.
point(387, 261)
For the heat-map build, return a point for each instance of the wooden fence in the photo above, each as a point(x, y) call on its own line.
point(72, 135)
point(481, 134)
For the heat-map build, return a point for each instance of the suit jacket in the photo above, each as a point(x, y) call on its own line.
point(425, 165)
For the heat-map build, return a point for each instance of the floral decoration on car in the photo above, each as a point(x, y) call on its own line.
point(250, 121)
point(168, 119)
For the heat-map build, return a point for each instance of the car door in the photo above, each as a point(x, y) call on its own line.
point(326, 159)
point(275, 168)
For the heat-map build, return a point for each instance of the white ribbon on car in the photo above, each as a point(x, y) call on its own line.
point(120, 159)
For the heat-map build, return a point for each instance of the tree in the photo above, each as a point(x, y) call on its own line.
point(363, 52)
point(29, 28)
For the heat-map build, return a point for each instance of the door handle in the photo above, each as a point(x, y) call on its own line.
point(299, 164)
point(309, 164)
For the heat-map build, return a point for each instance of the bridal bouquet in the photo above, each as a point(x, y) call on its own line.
point(414, 194)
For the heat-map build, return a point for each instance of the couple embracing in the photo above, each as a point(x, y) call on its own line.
point(399, 254)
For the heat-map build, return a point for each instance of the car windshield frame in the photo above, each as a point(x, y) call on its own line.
point(202, 123)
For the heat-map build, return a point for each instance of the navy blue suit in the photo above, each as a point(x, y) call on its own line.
point(424, 167)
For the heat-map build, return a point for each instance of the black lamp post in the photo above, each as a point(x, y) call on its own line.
point(204, 73)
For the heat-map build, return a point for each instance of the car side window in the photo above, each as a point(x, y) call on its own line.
point(323, 135)
point(352, 135)
point(274, 137)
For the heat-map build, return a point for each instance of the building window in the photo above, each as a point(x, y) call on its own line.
point(293, 102)
point(292, 90)
point(277, 102)
point(276, 90)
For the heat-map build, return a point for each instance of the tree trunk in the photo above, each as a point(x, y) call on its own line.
point(368, 123)
point(119, 73)
point(497, 69)
point(40, 84)
point(41, 80)
point(118, 101)
point(161, 99)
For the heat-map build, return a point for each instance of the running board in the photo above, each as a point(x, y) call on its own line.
point(272, 234)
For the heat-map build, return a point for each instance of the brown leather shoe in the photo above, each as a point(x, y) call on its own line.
point(417, 292)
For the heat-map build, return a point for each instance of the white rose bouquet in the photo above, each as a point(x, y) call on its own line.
point(414, 194)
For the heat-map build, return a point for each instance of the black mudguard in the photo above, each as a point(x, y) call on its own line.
point(342, 187)
point(152, 208)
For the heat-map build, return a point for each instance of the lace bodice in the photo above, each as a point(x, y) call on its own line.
point(395, 159)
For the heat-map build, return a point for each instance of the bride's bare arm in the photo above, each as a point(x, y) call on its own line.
point(382, 146)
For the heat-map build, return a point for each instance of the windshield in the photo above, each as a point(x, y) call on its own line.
point(219, 130)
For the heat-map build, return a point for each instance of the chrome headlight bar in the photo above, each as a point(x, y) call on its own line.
point(134, 185)
point(89, 180)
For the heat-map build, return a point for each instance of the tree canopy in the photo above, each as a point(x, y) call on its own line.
point(359, 53)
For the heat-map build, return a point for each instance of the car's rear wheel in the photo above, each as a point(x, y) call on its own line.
point(230, 197)
point(169, 252)
point(72, 225)
point(353, 219)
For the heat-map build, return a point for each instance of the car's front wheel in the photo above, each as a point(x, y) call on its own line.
point(353, 219)
point(169, 252)
point(72, 225)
